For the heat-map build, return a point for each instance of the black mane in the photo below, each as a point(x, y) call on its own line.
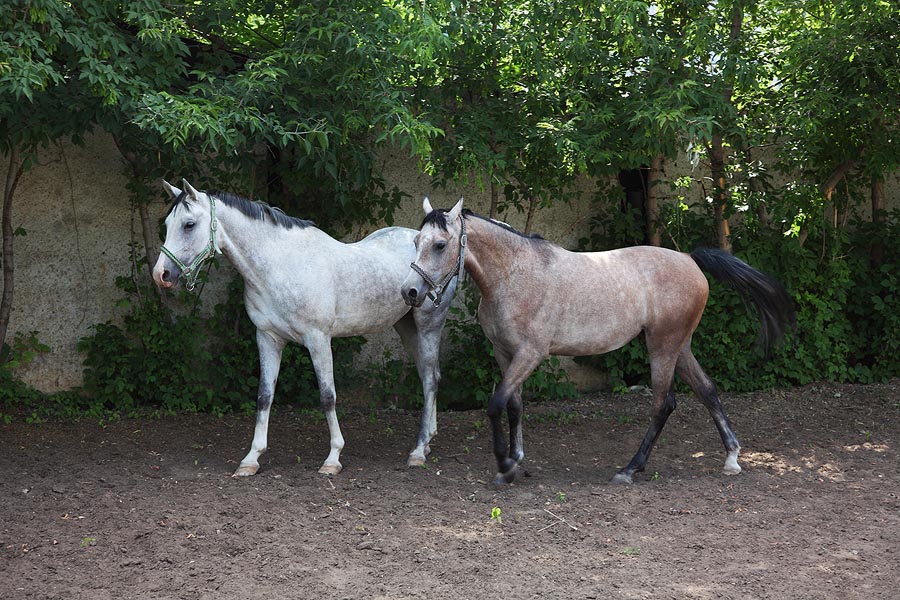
point(260, 210)
point(438, 218)
point(252, 208)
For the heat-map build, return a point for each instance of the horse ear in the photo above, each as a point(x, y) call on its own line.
point(426, 206)
point(456, 210)
point(194, 194)
point(171, 190)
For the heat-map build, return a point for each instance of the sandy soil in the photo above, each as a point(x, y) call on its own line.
point(147, 509)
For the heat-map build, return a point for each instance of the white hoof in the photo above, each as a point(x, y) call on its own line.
point(621, 478)
point(330, 469)
point(246, 470)
point(731, 464)
point(415, 460)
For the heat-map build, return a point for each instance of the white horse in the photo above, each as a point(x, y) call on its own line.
point(304, 286)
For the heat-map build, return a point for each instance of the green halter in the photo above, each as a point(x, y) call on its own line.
point(190, 273)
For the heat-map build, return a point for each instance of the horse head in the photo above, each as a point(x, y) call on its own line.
point(440, 254)
point(190, 236)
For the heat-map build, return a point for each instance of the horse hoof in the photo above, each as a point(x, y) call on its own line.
point(734, 469)
point(731, 464)
point(246, 471)
point(328, 469)
point(621, 478)
point(511, 476)
point(415, 461)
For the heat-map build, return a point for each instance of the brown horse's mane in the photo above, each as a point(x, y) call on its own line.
point(438, 217)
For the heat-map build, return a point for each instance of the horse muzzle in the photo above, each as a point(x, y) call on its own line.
point(165, 278)
point(413, 297)
point(414, 290)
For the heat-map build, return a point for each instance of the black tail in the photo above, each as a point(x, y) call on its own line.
point(776, 311)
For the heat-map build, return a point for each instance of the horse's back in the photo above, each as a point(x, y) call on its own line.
point(389, 237)
point(651, 276)
point(322, 284)
point(614, 295)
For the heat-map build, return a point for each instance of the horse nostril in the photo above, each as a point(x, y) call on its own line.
point(165, 275)
point(412, 292)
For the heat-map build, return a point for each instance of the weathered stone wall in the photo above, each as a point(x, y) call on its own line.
point(79, 221)
point(76, 214)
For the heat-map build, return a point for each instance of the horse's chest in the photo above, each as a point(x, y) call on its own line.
point(503, 327)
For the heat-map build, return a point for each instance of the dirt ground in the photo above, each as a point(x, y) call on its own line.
point(147, 508)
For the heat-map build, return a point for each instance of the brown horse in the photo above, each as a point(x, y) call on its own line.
point(539, 299)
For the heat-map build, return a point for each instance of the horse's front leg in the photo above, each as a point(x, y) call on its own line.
point(270, 349)
point(508, 398)
point(422, 337)
point(319, 346)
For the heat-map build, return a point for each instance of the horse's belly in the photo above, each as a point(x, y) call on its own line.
point(587, 340)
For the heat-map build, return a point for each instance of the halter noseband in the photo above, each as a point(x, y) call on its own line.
point(190, 273)
point(436, 290)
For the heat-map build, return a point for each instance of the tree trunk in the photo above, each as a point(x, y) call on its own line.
point(717, 143)
point(147, 233)
point(13, 173)
point(757, 189)
point(651, 202)
point(495, 199)
point(835, 178)
point(876, 253)
point(150, 250)
point(720, 198)
point(532, 208)
point(827, 190)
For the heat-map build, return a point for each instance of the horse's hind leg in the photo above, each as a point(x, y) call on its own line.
point(662, 376)
point(270, 349)
point(422, 339)
point(319, 346)
point(689, 370)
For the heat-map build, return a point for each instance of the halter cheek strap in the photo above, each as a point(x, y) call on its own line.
point(436, 289)
point(192, 271)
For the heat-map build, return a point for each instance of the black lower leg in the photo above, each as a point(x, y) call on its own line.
point(729, 439)
point(710, 398)
point(501, 449)
point(639, 460)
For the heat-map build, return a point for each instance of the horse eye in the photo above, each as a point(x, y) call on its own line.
point(189, 225)
point(439, 246)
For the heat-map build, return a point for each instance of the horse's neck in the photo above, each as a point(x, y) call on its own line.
point(252, 246)
point(492, 255)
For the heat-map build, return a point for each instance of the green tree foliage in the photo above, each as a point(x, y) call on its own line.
point(66, 67)
point(314, 86)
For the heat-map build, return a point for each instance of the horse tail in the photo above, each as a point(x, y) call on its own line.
point(772, 302)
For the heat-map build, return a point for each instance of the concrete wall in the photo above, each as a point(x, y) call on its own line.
point(79, 222)
point(76, 214)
